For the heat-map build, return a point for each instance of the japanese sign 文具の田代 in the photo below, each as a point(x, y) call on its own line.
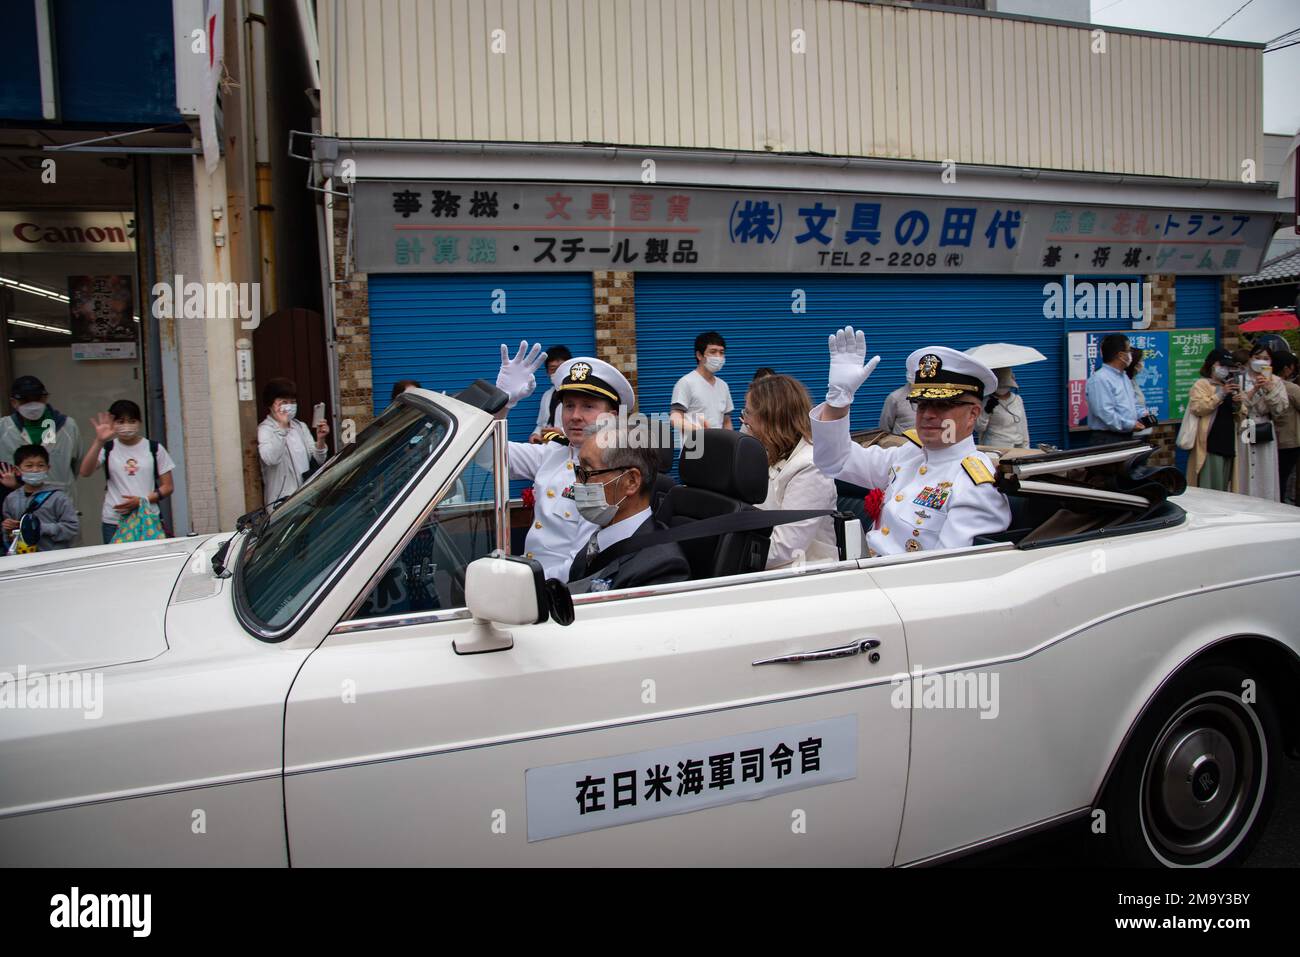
point(419, 226)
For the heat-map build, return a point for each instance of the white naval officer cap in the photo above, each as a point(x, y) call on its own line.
point(590, 376)
point(937, 372)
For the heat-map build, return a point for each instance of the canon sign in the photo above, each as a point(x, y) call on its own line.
point(66, 232)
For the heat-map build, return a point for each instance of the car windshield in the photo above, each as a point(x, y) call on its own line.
point(309, 535)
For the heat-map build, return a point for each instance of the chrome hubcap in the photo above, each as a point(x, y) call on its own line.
point(1198, 777)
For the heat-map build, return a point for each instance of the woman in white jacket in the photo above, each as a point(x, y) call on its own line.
point(284, 443)
point(776, 413)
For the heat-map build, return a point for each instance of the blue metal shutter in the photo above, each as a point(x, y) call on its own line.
point(440, 329)
point(898, 313)
point(1196, 303)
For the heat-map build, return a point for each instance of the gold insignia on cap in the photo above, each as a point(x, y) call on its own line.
point(579, 371)
point(928, 367)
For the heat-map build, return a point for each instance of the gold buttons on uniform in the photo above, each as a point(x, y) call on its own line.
point(550, 493)
point(916, 531)
point(569, 466)
point(922, 470)
point(537, 524)
point(567, 515)
point(884, 531)
point(528, 555)
point(898, 498)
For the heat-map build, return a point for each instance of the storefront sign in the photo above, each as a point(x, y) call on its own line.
point(40, 231)
point(103, 326)
point(494, 227)
point(1171, 362)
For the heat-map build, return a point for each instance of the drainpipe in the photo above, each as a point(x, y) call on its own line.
point(262, 156)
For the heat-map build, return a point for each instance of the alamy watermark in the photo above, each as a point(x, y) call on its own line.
point(953, 690)
point(638, 431)
point(208, 300)
point(1087, 299)
point(76, 691)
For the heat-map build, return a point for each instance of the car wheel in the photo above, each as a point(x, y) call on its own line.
point(1195, 785)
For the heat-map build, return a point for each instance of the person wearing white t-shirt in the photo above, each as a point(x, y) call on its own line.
point(136, 469)
point(700, 399)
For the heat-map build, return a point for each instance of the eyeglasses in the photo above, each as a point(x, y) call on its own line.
point(942, 406)
point(584, 474)
point(744, 415)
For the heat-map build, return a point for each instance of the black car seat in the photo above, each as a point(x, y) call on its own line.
point(664, 480)
point(729, 475)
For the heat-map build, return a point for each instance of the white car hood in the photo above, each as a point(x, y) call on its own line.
point(88, 608)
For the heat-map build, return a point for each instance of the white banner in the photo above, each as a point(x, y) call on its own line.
point(213, 15)
point(606, 792)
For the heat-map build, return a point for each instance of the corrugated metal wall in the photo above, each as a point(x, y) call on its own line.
point(1196, 302)
point(874, 80)
point(899, 314)
point(442, 331)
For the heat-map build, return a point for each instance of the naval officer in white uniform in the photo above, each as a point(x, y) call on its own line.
point(588, 388)
point(939, 490)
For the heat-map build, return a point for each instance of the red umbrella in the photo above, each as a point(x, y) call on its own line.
point(1272, 321)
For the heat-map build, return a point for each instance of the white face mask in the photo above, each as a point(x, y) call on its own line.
point(126, 431)
point(714, 363)
point(1220, 372)
point(592, 505)
point(1259, 365)
point(289, 410)
point(31, 410)
point(35, 478)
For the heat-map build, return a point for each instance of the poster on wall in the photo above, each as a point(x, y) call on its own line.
point(103, 323)
point(1171, 362)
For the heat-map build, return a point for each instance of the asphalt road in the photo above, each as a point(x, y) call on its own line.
point(1279, 846)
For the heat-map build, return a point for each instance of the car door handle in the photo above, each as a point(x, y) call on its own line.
point(858, 647)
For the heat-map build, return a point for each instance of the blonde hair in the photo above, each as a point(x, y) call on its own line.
point(781, 406)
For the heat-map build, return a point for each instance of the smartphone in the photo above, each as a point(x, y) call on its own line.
point(317, 414)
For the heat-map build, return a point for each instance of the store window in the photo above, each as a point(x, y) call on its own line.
point(70, 313)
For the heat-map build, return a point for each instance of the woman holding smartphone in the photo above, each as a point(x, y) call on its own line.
point(285, 445)
point(1263, 399)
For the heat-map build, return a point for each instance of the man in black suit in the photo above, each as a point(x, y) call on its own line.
point(615, 480)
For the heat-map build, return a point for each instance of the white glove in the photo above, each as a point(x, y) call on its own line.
point(848, 353)
point(516, 377)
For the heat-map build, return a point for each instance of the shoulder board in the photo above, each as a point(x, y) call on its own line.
point(912, 436)
point(979, 472)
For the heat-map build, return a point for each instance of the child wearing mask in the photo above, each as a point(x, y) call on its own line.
point(50, 506)
point(135, 468)
point(35, 421)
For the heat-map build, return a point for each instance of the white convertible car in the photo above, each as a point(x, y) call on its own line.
point(353, 678)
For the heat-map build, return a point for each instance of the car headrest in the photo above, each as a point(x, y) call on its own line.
point(728, 463)
point(665, 459)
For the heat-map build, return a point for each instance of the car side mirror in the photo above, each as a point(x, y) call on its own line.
point(509, 590)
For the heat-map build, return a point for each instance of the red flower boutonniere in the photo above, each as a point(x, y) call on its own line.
point(873, 503)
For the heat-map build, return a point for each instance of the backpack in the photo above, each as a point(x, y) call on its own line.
point(153, 450)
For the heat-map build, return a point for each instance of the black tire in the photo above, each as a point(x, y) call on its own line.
point(1196, 782)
